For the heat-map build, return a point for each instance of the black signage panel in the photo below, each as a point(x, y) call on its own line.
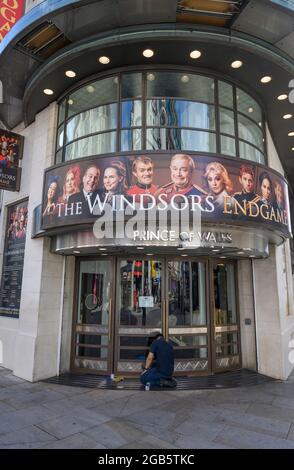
point(13, 258)
point(226, 190)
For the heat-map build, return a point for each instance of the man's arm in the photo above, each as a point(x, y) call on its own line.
point(149, 360)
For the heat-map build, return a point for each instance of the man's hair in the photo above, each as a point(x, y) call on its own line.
point(186, 157)
point(246, 169)
point(141, 159)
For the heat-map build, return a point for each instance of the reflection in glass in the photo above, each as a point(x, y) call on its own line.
point(250, 131)
point(98, 353)
point(248, 106)
point(225, 94)
point(92, 95)
point(131, 113)
point(91, 121)
point(187, 298)
point(249, 152)
point(94, 292)
point(180, 85)
point(94, 145)
point(60, 137)
point(131, 140)
point(131, 85)
point(140, 293)
point(188, 340)
point(61, 115)
point(167, 112)
point(197, 353)
point(228, 146)
point(226, 121)
point(224, 295)
point(180, 139)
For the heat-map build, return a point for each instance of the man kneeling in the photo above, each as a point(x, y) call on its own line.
point(159, 364)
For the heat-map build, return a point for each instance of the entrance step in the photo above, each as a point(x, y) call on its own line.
point(230, 379)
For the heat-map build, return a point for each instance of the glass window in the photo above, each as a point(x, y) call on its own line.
point(131, 140)
point(180, 85)
point(131, 85)
point(140, 300)
point(94, 145)
point(250, 131)
point(131, 113)
point(92, 95)
point(94, 293)
point(61, 115)
point(186, 340)
point(224, 295)
point(228, 146)
point(187, 296)
point(248, 106)
point(91, 121)
point(249, 152)
point(180, 139)
point(225, 94)
point(60, 137)
point(58, 158)
point(167, 112)
point(226, 121)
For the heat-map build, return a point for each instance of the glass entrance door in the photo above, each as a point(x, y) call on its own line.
point(93, 344)
point(187, 323)
point(139, 310)
point(226, 343)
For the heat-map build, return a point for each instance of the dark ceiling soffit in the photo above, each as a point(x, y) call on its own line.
point(120, 37)
point(35, 16)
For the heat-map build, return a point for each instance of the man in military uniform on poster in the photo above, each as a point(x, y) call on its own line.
point(143, 170)
point(182, 167)
point(246, 179)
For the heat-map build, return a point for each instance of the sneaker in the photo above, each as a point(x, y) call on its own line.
point(170, 383)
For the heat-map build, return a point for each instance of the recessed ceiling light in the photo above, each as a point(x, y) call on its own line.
point(292, 148)
point(90, 89)
point(148, 53)
point(215, 251)
point(184, 255)
point(70, 101)
point(104, 254)
point(70, 74)
point(282, 97)
point(195, 54)
point(250, 110)
point(47, 91)
point(236, 64)
point(104, 60)
point(140, 247)
point(149, 254)
point(185, 78)
point(287, 116)
point(150, 77)
point(76, 251)
point(266, 79)
point(222, 256)
point(102, 249)
point(290, 134)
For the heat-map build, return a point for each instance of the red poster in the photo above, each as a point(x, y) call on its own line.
point(10, 12)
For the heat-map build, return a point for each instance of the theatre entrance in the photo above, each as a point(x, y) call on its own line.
point(121, 301)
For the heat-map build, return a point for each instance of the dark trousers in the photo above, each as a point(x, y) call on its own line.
point(152, 376)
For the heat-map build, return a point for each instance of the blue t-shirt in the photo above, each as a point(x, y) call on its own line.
point(164, 356)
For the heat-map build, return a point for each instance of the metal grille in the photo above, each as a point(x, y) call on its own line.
point(231, 379)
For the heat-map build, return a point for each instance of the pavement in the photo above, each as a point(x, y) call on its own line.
point(51, 416)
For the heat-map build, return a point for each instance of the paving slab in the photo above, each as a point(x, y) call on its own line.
point(243, 439)
point(71, 424)
point(250, 421)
